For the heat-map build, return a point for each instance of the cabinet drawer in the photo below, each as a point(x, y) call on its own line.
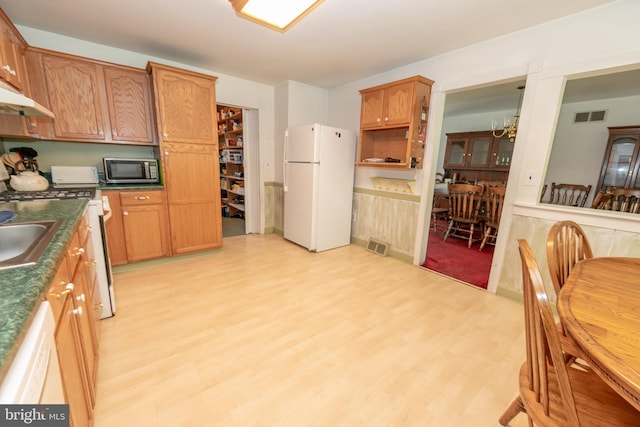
point(135, 198)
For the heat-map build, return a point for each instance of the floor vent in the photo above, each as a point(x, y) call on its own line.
point(378, 247)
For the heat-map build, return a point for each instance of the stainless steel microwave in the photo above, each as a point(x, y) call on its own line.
point(130, 171)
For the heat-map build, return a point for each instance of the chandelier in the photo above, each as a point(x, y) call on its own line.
point(275, 14)
point(510, 127)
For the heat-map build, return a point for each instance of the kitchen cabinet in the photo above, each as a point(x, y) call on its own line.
point(138, 227)
point(192, 181)
point(93, 101)
point(185, 105)
point(230, 143)
point(188, 137)
point(72, 295)
point(129, 105)
point(621, 163)
point(393, 122)
point(12, 47)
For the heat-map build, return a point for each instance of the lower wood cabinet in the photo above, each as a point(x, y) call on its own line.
point(138, 227)
point(71, 296)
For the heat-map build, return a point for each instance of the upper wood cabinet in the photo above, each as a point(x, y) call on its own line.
point(73, 86)
point(393, 122)
point(129, 103)
point(93, 101)
point(185, 105)
point(12, 47)
point(621, 163)
point(390, 105)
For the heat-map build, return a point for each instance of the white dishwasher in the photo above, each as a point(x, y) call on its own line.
point(34, 375)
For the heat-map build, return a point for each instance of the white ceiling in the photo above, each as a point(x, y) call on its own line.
point(339, 42)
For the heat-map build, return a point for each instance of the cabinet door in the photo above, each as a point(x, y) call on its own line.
point(192, 183)
point(129, 101)
point(12, 54)
point(398, 104)
point(478, 152)
point(115, 230)
point(70, 356)
point(371, 111)
point(145, 225)
point(185, 107)
point(622, 157)
point(501, 153)
point(73, 88)
point(456, 152)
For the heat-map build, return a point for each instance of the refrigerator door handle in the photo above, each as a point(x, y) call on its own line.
point(284, 164)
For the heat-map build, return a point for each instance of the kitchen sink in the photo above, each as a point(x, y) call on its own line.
point(23, 243)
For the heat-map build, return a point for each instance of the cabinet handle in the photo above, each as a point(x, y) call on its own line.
point(77, 311)
point(91, 263)
point(143, 197)
point(81, 298)
point(67, 289)
point(386, 119)
point(99, 307)
point(77, 252)
point(125, 213)
point(164, 134)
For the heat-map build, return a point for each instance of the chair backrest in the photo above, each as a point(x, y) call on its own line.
point(464, 201)
point(488, 184)
point(602, 201)
point(569, 194)
point(543, 341)
point(625, 199)
point(495, 201)
point(544, 191)
point(566, 246)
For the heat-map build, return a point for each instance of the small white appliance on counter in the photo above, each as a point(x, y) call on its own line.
point(319, 169)
point(99, 211)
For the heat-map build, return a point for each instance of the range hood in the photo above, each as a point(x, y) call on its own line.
point(15, 103)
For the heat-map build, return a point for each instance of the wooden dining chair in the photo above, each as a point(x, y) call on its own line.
point(625, 199)
point(569, 194)
point(602, 201)
point(567, 244)
point(464, 211)
point(495, 201)
point(553, 393)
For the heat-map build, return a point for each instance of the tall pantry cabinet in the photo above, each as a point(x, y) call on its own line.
point(185, 108)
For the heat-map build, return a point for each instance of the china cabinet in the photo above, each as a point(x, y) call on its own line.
point(621, 163)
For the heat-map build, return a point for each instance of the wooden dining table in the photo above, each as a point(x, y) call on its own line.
point(599, 305)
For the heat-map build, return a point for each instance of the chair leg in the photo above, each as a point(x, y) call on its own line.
point(470, 235)
point(486, 236)
point(449, 227)
point(514, 409)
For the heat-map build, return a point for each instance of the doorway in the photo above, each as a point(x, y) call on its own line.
point(239, 170)
point(468, 152)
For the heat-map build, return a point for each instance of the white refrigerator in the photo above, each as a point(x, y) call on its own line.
point(319, 168)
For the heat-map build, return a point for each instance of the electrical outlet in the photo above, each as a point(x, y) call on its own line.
point(530, 178)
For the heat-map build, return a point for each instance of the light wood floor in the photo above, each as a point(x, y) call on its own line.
point(264, 333)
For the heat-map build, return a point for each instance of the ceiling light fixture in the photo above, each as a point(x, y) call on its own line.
point(275, 14)
point(509, 128)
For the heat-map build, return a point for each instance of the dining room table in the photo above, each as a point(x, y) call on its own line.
point(599, 306)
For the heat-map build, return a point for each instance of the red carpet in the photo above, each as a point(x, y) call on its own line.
point(454, 259)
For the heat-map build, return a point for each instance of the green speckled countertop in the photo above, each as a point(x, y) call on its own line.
point(23, 288)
